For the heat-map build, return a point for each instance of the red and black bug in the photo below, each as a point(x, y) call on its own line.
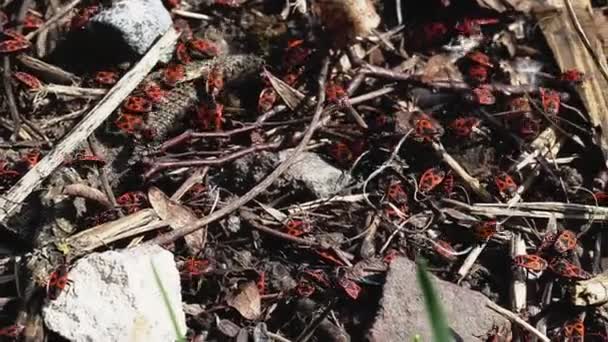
point(335, 93)
point(550, 100)
point(565, 241)
point(267, 99)
point(297, 227)
point(203, 48)
point(210, 114)
point(182, 54)
point(531, 262)
point(574, 331)
point(57, 282)
point(154, 92)
point(132, 201)
point(194, 268)
point(12, 331)
point(106, 78)
point(395, 193)
point(129, 123)
point(480, 58)
point(505, 184)
point(31, 158)
point(174, 74)
point(430, 179)
point(83, 16)
point(478, 73)
point(32, 21)
point(83, 158)
point(572, 76)
point(29, 80)
point(484, 230)
point(137, 104)
point(352, 289)
point(341, 153)
point(463, 127)
point(14, 45)
point(215, 82)
point(483, 96)
point(565, 269)
point(426, 129)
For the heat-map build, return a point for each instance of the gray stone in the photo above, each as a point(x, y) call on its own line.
point(402, 312)
point(140, 22)
point(114, 296)
point(321, 178)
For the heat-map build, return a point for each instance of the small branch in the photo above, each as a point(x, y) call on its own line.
point(251, 219)
point(47, 71)
point(191, 15)
point(85, 191)
point(84, 93)
point(264, 184)
point(513, 317)
point(65, 10)
point(10, 97)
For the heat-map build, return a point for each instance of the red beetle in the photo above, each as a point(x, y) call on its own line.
point(480, 58)
point(30, 81)
point(565, 241)
point(107, 78)
point(463, 127)
point(574, 331)
point(32, 21)
point(210, 113)
point(550, 100)
point(430, 179)
point(57, 282)
point(137, 104)
point(505, 184)
point(483, 96)
point(531, 262)
point(154, 92)
point(129, 123)
point(484, 230)
point(203, 48)
point(568, 270)
point(181, 52)
point(174, 74)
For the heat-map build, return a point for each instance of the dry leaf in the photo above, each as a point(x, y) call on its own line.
point(177, 216)
point(347, 19)
point(292, 97)
point(440, 68)
point(247, 302)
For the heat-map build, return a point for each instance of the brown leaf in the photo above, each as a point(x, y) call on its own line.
point(291, 96)
point(247, 302)
point(440, 68)
point(177, 216)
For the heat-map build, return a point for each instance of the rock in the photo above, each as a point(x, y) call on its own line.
point(140, 22)
point(322, 179)
point(113, 296)
point(402, 313)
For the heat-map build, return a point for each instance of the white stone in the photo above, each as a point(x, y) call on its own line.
point(321, 178)
point(113, 296)
point(140, 22)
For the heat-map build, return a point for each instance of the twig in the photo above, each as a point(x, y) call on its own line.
point(513, 317)
point(196, 177)
point(85, 93)
point(48, 72)
point(85, 191)
point(251, 219)
point(264, 184)
point(103, 175)
point(191, 15)
point(470, 181)
point(277, 337)
point(12, 200)
point(65, 10)
point(10, 97)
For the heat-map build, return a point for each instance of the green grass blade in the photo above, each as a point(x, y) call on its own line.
point(180, 336)
point(434, 309)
